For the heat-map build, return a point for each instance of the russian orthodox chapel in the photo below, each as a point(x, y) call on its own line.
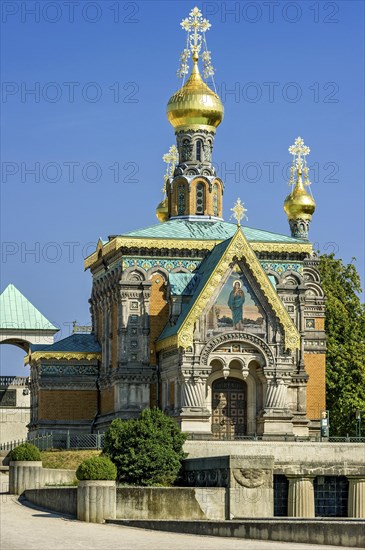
point(218, 324)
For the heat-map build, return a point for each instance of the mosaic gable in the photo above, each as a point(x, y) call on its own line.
point(236, 308)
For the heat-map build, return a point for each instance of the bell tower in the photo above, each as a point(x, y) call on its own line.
point(193, 189)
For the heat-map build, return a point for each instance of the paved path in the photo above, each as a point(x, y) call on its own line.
point(26, 528)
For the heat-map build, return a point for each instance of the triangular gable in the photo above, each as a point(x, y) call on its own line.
point(219, 261)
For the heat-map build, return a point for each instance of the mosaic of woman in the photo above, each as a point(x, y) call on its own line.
point(235, 302)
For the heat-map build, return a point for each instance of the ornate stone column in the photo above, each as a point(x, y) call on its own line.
point(145, 310)
point(356, 500)
point(301, 497)
point(276, 394)
point(193, 414)
point(123, 327)
point(193, 393)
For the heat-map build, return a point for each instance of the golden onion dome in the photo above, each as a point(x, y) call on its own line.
point(162, 211)
point(299, 204)
point(195, 105)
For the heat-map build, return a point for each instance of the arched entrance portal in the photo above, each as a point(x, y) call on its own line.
point(229, 408)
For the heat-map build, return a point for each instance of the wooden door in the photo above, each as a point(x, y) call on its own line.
point(228, 408)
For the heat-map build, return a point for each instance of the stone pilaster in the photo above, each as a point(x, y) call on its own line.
point(356, 500)
point(301, 497)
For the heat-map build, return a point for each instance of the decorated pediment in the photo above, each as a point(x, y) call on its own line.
point(235, 307)
point(214, 270)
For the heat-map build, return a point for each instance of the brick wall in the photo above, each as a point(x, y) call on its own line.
point(107, 401)
point(315, 365)
point(67, 404)
point(159, 312)
point(319, 323)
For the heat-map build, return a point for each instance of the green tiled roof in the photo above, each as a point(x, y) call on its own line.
point(183, 283)
point(219, 231)
point(75, 342)
point(17, 313)
point(205, 270)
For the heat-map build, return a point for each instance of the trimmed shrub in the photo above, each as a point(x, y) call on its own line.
point(147, 451)
point(97, 467)
point(25, 451)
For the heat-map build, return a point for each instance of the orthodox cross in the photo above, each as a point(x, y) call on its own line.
point(196, 26)
point(299, 151)
point(239, 211)
point(171, 159)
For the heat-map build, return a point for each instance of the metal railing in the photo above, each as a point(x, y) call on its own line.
point(96, 441)
point(43, 442)
point(59, 441)
point(285, 437)
point(78, 441)
point(14, 381)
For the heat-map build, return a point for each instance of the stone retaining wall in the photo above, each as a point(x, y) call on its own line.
point(339, 532)
point(171, 503)
point(57, 499)
point(284, 452)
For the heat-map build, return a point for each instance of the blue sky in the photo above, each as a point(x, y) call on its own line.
point(95, 129)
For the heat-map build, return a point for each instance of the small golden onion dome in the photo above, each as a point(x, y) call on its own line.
point(162, 211)
point(299, 204)
point(195, 105)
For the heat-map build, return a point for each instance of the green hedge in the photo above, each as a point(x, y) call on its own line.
point(25, 451)
point(97, 467)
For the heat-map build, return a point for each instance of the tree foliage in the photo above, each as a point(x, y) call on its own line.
point(147, 451)
point(97, 467)
point(345, 330)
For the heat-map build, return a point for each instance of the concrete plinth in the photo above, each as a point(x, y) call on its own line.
point(301, 497)
point(274, 423)
point(96, 501)
point(24, 474)
point(356, 501)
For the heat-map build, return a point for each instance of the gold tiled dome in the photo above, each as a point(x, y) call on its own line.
point(195, 105)
point(162, 211)
point(299, 204)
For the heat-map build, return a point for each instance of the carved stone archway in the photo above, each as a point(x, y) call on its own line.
point(240, 337)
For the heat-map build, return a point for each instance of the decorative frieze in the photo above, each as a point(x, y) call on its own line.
point(282, 267)
point(68, 370)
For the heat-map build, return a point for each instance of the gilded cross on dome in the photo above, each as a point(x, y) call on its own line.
point(239, 211)
point(196, 26)
point(299, 151)
point(171, 159)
